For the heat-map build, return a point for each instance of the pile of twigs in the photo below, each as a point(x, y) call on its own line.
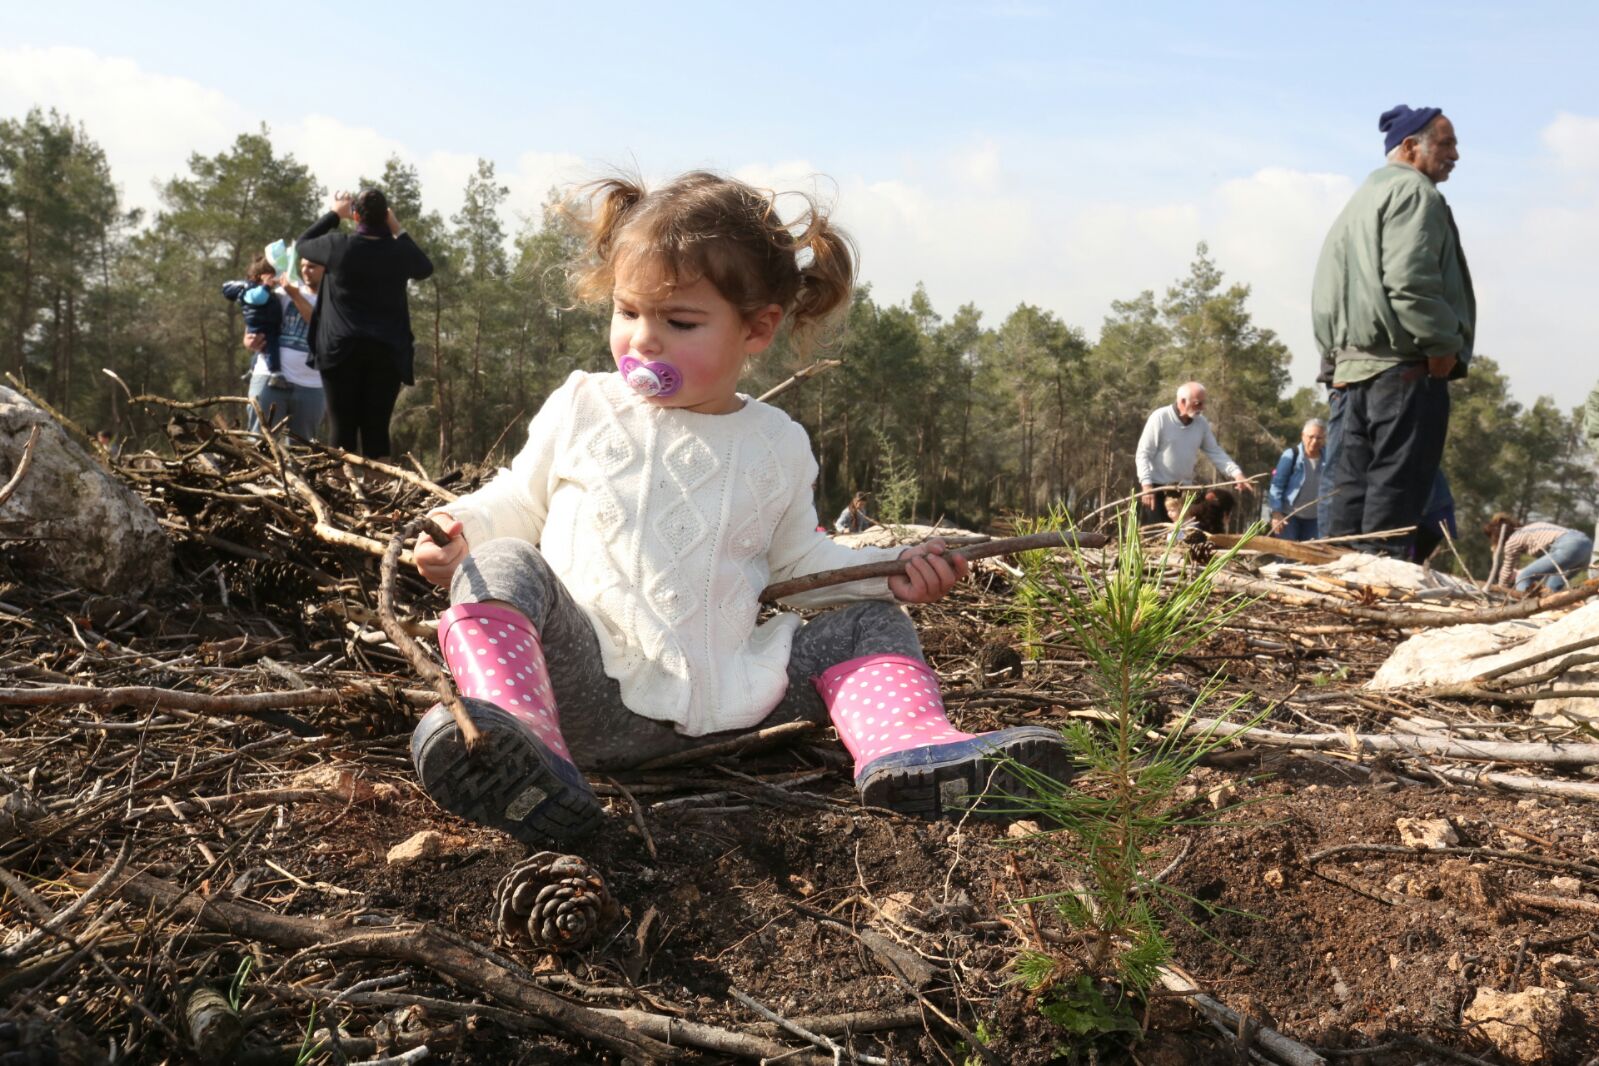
point(175, 771)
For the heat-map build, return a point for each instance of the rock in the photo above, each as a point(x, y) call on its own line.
point(1521, 1025)
point(1022, 829)
point(1471, 886)
point(1273, 878)
point(1566, 886)
point(1222, 796)
point(84, 525)
point(900, 907)
point(1426, 833)
point(344, 785)
point(427, 844)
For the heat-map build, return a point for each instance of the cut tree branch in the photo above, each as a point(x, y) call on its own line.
point(895, 567)
point(22, 465)
point(419, 660)
point(419, 944)
point(1411, 619)
point(1538, 752)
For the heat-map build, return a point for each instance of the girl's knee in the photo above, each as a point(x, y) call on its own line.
point(885, 627)
point(506, 569)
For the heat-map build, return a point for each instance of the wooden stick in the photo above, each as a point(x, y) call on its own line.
point(1412, 619)
point(1299, 551)
point(145, 697)
point(760, 737)
point(895, 567)
point(1283, 1049)
point(1534, 660)
point(418, 943)
point(419, 660)
point(798, 376)
point(1582, 790)
point(1542, 753)
point(22, 465)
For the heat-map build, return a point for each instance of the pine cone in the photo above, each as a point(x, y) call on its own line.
point(1200, 549)
point(557, 902)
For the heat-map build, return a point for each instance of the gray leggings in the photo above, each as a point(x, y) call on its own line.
point(600, 731)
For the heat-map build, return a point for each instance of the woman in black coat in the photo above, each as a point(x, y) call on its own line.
point(361, 332)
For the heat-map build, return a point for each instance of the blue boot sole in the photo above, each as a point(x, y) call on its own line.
point(966, 777)
point(511, 781)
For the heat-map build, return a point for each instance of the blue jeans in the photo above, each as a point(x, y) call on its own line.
point(1299, 527)
point(1329, 460)
point(303, 406)
point(1564, 559)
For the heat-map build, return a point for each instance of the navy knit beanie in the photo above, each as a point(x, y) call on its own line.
point(1404, 121)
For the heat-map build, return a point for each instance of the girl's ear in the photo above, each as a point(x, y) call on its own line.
point(760, 328)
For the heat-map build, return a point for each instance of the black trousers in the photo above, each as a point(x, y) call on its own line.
point(1395, 425)
point(361, 390)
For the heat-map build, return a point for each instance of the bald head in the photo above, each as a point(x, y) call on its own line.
point(1190, 400)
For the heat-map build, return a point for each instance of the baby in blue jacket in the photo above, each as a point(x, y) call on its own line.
point(263, 313)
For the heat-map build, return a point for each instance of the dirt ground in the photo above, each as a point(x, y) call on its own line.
point(758, 874)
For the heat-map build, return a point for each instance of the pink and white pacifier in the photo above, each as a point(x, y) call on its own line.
point(650, 379)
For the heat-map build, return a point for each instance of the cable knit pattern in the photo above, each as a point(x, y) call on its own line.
point(665, 525)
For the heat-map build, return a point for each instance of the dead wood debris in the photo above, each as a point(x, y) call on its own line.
point(168, 767)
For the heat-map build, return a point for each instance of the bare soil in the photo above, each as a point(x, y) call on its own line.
point(809, 905)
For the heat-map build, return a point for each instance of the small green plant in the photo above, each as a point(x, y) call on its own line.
point(1130, 621)
point(236, 986)
point(895, 489)
point(1098, 1019)
point(985, 1036)
point(308, 1046)
point(1030, 605)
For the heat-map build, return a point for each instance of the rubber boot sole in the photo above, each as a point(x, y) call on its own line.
point(511, 781)
point(966, 777)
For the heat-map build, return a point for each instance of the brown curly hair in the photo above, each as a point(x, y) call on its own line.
point(703, 225)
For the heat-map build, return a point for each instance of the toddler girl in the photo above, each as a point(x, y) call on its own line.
point(613, 570)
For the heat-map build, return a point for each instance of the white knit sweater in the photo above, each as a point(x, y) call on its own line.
point(665, 525)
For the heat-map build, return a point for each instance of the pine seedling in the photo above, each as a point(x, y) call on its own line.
point(1029, 604)
point(1131, 621)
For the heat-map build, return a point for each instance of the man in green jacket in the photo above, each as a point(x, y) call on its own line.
point(1394, 315)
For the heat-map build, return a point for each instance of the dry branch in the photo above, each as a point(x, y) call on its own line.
point(253, 704)
point(895, 567)
point(408, 646)
point(1283, 1049)
point(1410, 619)
point(1541, 753)
point(798, 376)
point(22, 465)
point(416, 943)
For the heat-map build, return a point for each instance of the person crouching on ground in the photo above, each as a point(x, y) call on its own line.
point(1561, 553)
point(614, 570)
point(854, 519)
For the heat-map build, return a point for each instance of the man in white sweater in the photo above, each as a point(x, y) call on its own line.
point(1170, 446)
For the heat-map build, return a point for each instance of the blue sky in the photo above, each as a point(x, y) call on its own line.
point(1063, 155)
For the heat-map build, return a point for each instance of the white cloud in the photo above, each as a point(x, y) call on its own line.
point(1069, 226)
point(968, 241)
point(1573, 140)
point(149, 124)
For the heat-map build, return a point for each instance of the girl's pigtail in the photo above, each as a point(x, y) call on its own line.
point(599, 212)
point(827, 282)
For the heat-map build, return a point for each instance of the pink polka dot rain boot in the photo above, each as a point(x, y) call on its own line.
point(909, 758)
point(520, 778)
